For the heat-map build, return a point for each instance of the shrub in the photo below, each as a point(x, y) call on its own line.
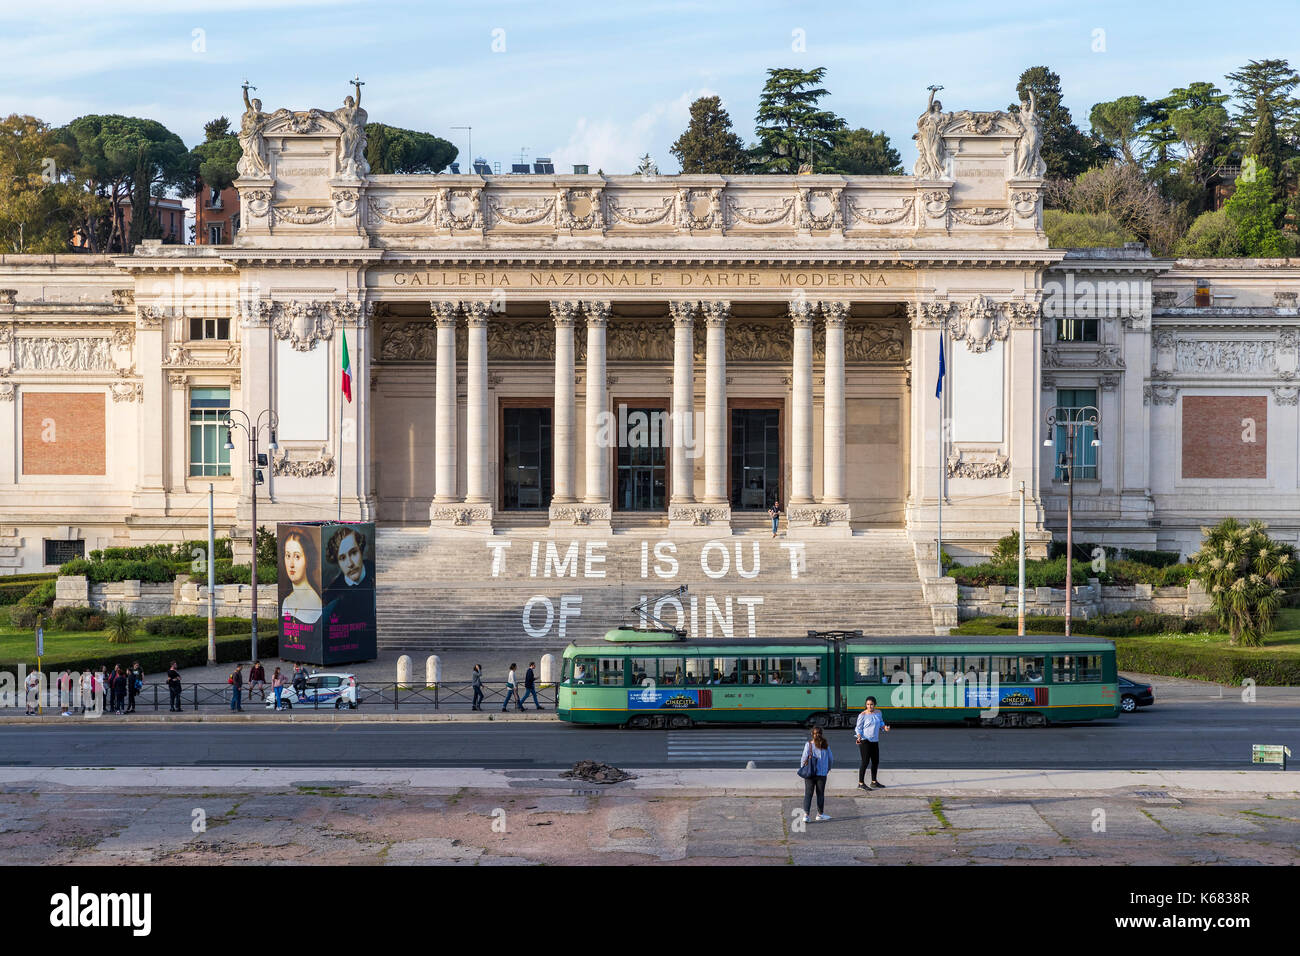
point(1211, 236)
point(12, 593)
point(194, 625)
point(23, 615)
point(1007, 549)
point(1038, 574)
point(1083, 551)
point(121, 626)
point(227, 573)
point(1128, 624)
point(40, 596)
point(72, 619)
point(1177, 660)
point(1157, 559)
point(1134, 572)
point(1081, 230)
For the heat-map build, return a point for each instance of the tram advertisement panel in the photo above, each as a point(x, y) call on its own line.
point(669, 698)
point(985, 696)
point(327, 592)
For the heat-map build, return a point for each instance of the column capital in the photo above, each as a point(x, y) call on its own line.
point(564, 312)
point(835, 313)
point(683, 313)
point(929, 313)
point(477, 313)
point(716, 313)
point(444, 312)
point(801, 313)
point(597, 312)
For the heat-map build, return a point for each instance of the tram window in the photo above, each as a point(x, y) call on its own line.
point(640, 669)
point(725, 670)
point(866, 670)
point(1005, 668)
point(780, 670)
point(1076, 668)
point(891, 668)
point(808, 670)
point(670, 671)
point(949, 667)
point(751, 670)
point(584, 670)
point(929, 665)
point(1031, 669)
point(976, 666)
point(611, 672)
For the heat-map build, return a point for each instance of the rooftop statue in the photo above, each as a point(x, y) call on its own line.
point(1029, 164)
point(929, 139)
point(352, 140)
point(253, 162)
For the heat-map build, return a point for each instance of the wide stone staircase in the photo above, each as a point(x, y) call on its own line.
point(529, 588)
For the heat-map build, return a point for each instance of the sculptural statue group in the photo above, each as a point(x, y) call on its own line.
point(350, 117)
point(934, 121)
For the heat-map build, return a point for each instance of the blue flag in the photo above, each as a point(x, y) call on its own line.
point(938, 389)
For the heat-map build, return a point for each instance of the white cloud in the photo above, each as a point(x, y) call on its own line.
point(617, 146)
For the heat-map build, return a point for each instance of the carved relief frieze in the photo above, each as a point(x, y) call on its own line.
point(303, 324)
point(1286, 394)
point(981, 216)
point(406, 211)
point(979, 323)
point(460, 515)
point(997, 466)
point(6, 391)
point(460, 208)
point(820, 208)
point(765, 214)
point(81, 353)
point(579, 209)
point(301, 214)
point(580, 515)
point(641, 215)
point(152, 316)
point(522, 211)
point(283, 465)
point(930, 314)
point(818, 517)
point(1175, 356)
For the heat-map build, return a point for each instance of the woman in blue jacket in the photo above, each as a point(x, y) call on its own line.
point(816, 752)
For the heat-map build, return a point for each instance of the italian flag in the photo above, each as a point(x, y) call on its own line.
point(347, 370)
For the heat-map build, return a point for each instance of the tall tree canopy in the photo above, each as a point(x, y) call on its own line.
point(1266, 83)
point(792, 129)
point(1117, 124)
point(391, 149)
point(127, 159)
point(860, 152)
point(216, 158)
point(709, 145)
point(1066, 150)
point(38, 208)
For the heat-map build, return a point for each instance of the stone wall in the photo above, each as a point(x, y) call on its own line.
point(1089, 601)
point(178, 597)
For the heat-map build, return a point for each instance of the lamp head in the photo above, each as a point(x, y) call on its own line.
point(230, 445)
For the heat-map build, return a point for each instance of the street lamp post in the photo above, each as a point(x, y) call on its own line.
point(1071, 419)
point(256, 462)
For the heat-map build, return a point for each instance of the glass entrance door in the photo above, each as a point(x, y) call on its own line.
point(642, 460)
point(526, 459)
point(755, 458)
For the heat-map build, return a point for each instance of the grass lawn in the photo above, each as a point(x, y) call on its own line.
point(1284, 641)
point(61, 646)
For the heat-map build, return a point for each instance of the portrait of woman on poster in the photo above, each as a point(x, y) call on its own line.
point(303, 602)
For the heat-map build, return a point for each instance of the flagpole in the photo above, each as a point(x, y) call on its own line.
point(338, 435)
point(938, 550)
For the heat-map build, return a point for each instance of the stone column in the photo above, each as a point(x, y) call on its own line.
point(801, 418)
point(683, 417)
point(562, 434)
point(715, 402)
point(150, 496)
point(445, 408)
point(478, 480)
point(835, 314)
point(597, 485)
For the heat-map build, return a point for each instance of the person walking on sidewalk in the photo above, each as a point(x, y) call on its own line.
point(134, 685)
point(174, 687)
point(530, 687)
point(33, 685)
point(119, 689)
point(774, 513)
point(867, 733)
point(277, 686)
point(817, 759)
point(236, 682)
point(477, 680)
point(511, 691)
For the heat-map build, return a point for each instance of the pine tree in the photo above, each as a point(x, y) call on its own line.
point(1266, 151)
point(860, 152)
point(1272, 82)
point(709, 145)
point(791, 129)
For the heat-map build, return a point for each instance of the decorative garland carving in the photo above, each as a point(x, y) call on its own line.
point(460, 516)
point(302, 215)
point(831, 219)
point(697, 516)
point(257, 202)
point(591, 219)
point(580, 515)
point(402, 213)
point(998, 467)
point(641, 215)
point(981, 216)
point(819, 517)
point(882, 216)
point(469, 201)
point(761, 215)
point(979, 323)
point(522, 213)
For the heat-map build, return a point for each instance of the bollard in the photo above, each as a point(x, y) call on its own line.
point(433, 671)
point(549, 678)
point(403, 678)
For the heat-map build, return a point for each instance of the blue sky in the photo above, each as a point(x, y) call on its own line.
point(603, 83)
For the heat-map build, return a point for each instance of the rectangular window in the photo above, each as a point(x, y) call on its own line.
point(60, 551)
point(751, 670)
point(1076, 668)
point(214, 235)
point(1076, 330)
point(672, 671)
point(209, 457)
point(891, 668)
point(725, 670)
point(205, 328)
point(866, 670)
point(808, 670)
point(1070, 404)
point(584, 670)
point(782, 669)
point(1005, 668)
point(641, 669)
point(1031, 669)
point(611, 672)
point(976, 667)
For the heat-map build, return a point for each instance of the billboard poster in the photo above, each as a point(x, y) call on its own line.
point(327, 591)
point(669, 698)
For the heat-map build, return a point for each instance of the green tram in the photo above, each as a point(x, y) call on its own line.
point(644, 677)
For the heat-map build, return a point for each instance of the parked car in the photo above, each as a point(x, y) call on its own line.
point(322, 690)
point(1133, 695)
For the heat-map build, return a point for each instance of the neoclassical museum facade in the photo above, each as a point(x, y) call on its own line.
point(574, 354)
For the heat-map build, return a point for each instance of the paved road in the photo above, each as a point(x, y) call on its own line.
point(1182, 735)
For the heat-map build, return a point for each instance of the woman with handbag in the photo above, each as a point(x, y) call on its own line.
point(814, 768)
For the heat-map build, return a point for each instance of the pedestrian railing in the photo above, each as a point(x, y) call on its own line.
point(451, 696)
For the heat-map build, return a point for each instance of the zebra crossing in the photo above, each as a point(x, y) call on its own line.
point(739, 747)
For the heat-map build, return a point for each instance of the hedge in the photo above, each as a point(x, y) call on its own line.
point(1219, 665)
point(151, 571)
point(164, 552)
point(194, 625)
point(40, 596)
point(1051, 573)
point(11, 593)
point(229, 650)
point(1127, 624)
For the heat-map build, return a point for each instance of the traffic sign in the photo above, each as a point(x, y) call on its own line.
point(1269, 753)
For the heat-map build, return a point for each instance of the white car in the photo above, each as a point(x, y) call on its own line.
point(322, 690)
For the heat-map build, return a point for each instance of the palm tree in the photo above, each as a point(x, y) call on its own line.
point(1244, 571)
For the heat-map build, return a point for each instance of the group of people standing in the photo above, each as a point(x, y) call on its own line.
point(817, 760)
point(257, 684)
